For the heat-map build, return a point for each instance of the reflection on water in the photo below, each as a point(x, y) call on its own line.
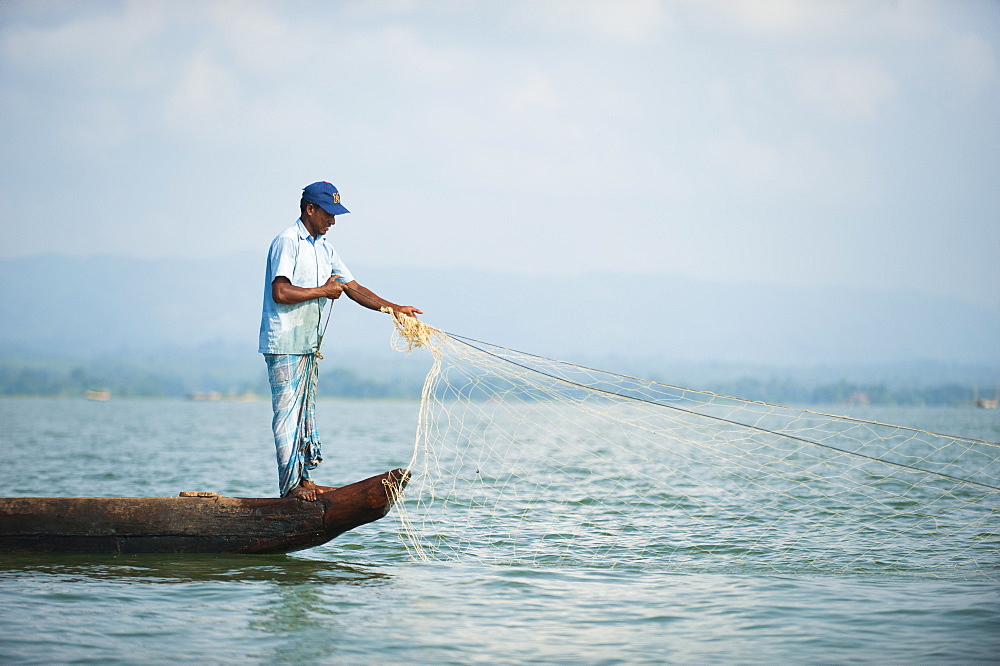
point(196, 607)
point(189, 568)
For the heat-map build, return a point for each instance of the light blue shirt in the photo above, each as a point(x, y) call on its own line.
point(306, 262)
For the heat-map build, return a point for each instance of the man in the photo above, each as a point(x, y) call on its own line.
point(304, 271)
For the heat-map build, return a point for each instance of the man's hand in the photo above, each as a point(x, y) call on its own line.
point(283, 291)
point(408, 310)
point(332, 288)
point(369, 299)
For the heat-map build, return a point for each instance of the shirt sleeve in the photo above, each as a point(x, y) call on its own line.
point(282, 258)
point(339, 268)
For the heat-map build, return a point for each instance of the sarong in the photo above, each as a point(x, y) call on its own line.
point(293, 398)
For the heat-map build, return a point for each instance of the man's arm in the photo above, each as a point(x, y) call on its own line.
point(366, 297)
point(286, 293)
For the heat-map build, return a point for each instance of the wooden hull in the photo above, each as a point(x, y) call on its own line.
point(214, 524)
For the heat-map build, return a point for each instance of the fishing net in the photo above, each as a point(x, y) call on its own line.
point(525, 459)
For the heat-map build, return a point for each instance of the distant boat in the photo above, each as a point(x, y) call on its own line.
point(101, 395)
point(985, 403)
point(193, 522)
point(216, 396)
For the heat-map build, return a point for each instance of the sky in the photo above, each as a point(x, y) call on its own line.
point(785, 142)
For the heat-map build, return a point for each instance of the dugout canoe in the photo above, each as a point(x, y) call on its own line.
point(204, 523)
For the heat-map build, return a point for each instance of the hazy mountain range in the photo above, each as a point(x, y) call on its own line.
point(168, 309)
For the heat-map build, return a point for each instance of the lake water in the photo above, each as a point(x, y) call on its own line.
point(362, 598)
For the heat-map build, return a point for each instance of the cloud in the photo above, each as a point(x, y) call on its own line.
point(404, 52)
point(535, 92)
point(623, 21)
point(206, 100)
point(743, 166)
point(96, 51)
point(260, 40)
point(771, 17)
point(95, 79)
point(700, 110)
point(844, 88)
point(973, 61)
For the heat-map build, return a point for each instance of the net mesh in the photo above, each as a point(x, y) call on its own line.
point(520, 458)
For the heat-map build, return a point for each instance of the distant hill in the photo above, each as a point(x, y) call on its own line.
point(171, 308)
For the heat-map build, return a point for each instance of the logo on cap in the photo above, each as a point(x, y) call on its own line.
point(336, 197)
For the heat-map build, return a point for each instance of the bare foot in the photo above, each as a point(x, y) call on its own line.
point(307, 483)
point(300, 492)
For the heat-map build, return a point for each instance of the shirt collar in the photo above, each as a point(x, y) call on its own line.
point(304, 233)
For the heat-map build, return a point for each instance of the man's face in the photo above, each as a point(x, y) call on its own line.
point(317, 221)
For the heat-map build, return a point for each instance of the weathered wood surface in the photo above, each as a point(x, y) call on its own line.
point(192, 524)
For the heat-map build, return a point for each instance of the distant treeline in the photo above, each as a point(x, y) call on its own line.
point(138, 382)
point(156, 381)
point(845, 392)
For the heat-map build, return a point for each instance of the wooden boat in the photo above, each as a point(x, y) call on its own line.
point(197, 523)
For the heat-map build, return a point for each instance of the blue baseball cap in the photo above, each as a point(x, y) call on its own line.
point(324, 195)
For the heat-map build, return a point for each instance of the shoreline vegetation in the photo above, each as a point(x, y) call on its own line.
point(102, 381)
point(80, 382)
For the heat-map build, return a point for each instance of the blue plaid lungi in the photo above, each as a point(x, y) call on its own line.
point(293, 398)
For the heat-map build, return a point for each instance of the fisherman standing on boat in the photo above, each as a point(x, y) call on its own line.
point(304, 271)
